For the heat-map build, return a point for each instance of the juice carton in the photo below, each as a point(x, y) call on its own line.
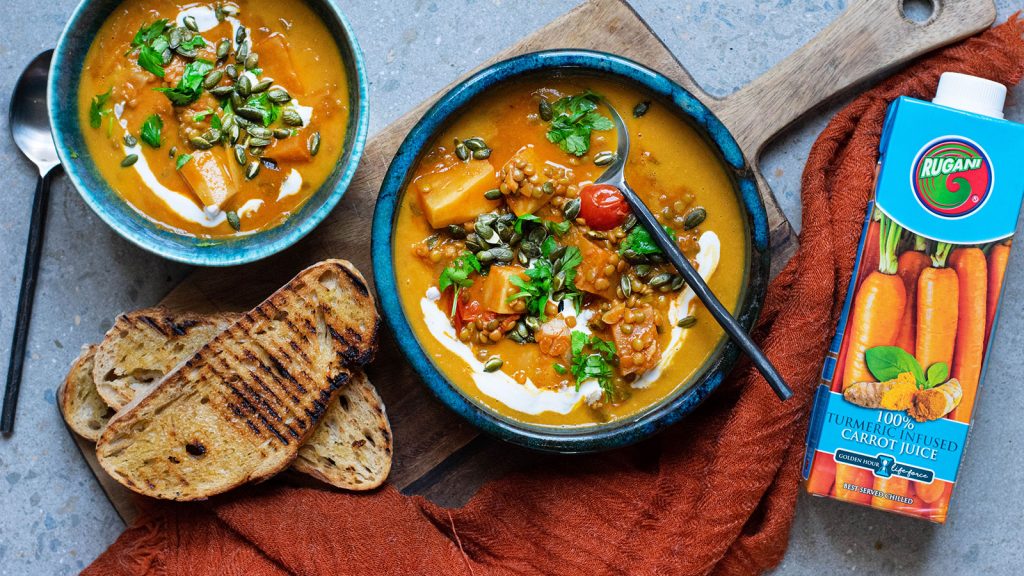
point(893, 409)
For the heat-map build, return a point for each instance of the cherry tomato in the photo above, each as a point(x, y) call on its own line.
point(603, 206)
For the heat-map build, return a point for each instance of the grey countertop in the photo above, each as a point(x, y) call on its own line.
point(54, 519)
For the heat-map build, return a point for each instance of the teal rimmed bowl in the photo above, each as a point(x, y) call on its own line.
point(62, 97)
point(687, 396)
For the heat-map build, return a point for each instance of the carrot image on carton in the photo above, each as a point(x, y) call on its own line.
point(898, 389)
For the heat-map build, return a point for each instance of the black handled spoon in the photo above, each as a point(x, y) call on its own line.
point(30, 128)
point(615, 176)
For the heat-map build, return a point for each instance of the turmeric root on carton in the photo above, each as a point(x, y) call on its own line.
point(894, 408)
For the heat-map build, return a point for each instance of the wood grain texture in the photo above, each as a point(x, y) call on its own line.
point(431, 453)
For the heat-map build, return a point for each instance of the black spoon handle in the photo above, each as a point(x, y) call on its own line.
point(29, 275)
point(704, 293)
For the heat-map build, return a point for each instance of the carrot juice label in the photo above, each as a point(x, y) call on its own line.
point(893, 410)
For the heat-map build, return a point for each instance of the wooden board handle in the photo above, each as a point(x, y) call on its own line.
point(870, 37)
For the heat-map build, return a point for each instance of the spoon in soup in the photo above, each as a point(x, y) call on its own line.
point(30, 129)
point(615, 175)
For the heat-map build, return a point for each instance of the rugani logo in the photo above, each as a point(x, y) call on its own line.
point(952, 176)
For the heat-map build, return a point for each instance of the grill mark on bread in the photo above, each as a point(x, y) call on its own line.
point(154, 324)
point(360, 285)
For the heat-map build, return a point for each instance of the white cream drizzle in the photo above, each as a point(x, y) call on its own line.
point(250, 207)
point(707, 263)
point(179, 203)
point(291, 185)
point(305, 112)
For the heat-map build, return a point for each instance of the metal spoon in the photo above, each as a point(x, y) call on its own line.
point(615, 175)
point(30, 128)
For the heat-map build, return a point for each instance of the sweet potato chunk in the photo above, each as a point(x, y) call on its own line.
point(591, 275)
point(524, 197)
point(208, 176)
point(455, 194)
point(497, 287)
point(293, 149)
point(639, 350)
point(276, 61)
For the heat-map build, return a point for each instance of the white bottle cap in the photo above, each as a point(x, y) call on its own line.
point(971, 94)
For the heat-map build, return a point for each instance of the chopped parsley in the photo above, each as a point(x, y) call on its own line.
point(593, 358)
point(539, 286)
point(191, 84)
point(182, 159)
point(575, 118)
point(457, 275)
point(641, 242)
point(150, 133)
point(151, 41)
point(98, 109)
point(560, 228)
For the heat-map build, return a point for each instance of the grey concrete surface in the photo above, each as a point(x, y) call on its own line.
point(54, 519)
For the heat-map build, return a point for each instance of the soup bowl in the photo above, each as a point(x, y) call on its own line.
point(687, 395)
point(63, 101)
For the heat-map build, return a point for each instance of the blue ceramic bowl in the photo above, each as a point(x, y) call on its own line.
point(62, 96)
point(688, 396)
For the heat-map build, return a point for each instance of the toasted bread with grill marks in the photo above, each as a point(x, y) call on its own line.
point(238, 410)
point(142, 346)
point(83, 409)
point(351, 448)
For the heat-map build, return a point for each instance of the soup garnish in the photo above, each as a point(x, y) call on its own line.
point(533, 289)
point(214, 119)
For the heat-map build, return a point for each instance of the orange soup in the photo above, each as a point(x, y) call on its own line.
point(214, 119)
point(534, 290)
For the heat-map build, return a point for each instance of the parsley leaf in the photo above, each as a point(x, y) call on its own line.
point(575, 118)
point(191, 84)
point(151, 42)
point(182, 159)
point(151, 60)
point(540, 286)
point(193, 44)
point(457, 275)
point(640, 241)
point(97, 108)
point(147, 34)
point(150, 133)
point(593, 358)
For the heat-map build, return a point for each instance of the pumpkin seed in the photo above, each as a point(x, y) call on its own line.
point(629, 223)
point(641, 108)
point(532, 322)
point(678, 282)
point(485, 256)
point(260, 132)
point(493, 364)
point(282, 133)
point(174, 38)
point(232, 72)
point(660, 279)
point(514, 238)
point(252, 169)
point(240, 35)
point(212, 135)
point(656, 258)
point(529, 249)
point(492, 194)
point(250, 113)
point(695, 217)
point(314, 143)
point(252, 61)
point(223, 49)
point(186, 52)
point(243, 86)
point(233, 220)
point(190, 23)
point(642, 270)
point(571, 209)
point(473, 243)
point(255, 150)
point(291, 117)
point(129, 160)
point(522, 258)
point(626, 285)
point(482, 154)
point(240, 155)
point(200, 143)
point(687, 322)
point(632, 256)
point(558, 282)
point(166, 56)
point(222, 91)
point(173, 151)
point(487, 234)
point(475, 143)
point(228, 122)
point(130, 140)
point(461, 151)
point(254, 141)
point(233, 133)
point(212, 79)
point(487, 218)
point(456, 231)
point(557, 254)
point(504, 231)
point(278, 95)
point(604, 158)
point(537, 234)
point(523, 330)
point(502, 254)
point(546, 113)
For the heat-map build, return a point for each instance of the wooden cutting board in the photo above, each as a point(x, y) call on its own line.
point(438, 454)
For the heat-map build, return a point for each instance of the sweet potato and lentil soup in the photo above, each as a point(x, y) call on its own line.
point(214, 119)
point(535, 291)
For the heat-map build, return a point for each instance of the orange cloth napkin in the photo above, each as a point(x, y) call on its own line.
point(713, 495)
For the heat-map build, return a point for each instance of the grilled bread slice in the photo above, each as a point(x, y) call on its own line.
point(83, 409)
point(238, 410)
point(351, 448)
point(144, 345)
